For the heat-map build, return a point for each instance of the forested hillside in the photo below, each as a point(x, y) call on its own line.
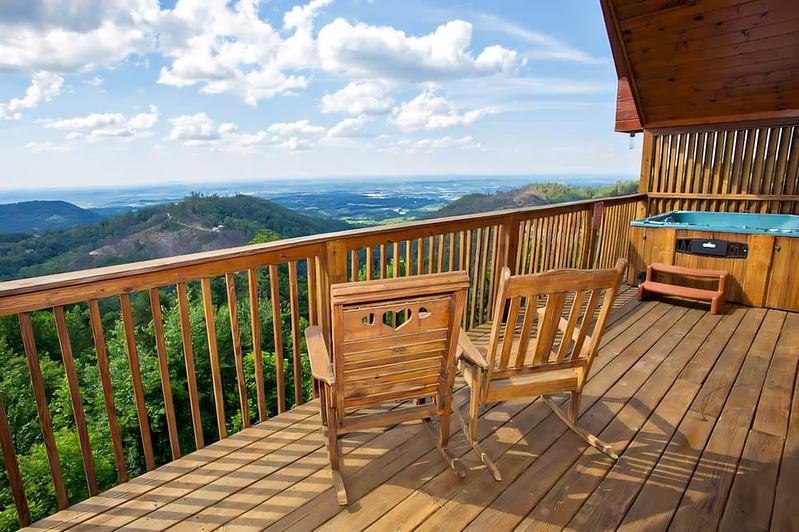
point(30, 216)
point(530, 196)
point(188, 226)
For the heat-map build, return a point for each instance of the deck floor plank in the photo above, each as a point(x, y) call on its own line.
point(704, 411)
point(608, 504)
point(704, 500)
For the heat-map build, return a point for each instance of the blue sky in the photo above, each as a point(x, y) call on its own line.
point(105, 92)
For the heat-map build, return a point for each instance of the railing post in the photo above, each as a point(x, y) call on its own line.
point(508, 249)
point(333, 270)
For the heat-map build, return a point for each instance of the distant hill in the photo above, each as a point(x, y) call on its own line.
point(29, 216)
point(198, 223)
point(531, 196)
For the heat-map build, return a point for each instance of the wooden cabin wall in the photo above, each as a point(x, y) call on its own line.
point(744, 170)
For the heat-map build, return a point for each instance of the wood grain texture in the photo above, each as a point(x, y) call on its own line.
point(135, 375)
point(277, 328)
point(295, 332)
point(163, 368)
point(12, 469)
point(75, 398)
point(216, 372)
point(235, 332)
point(32, 356)
point(108, 394)
point(188, 358)
point(257, 350)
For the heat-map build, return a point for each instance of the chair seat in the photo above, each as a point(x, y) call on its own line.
point(533, 384)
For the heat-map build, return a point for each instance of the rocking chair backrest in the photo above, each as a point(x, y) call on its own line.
point(396, 339)
point(560, 339)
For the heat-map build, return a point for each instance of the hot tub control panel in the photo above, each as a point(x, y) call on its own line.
point(711, 247)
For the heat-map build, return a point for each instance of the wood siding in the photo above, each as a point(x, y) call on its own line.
point(743, 170)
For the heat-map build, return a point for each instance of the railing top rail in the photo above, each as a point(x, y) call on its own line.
point(190, 267)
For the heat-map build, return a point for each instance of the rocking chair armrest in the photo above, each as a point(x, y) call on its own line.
point(321, 368)
point(468, 352)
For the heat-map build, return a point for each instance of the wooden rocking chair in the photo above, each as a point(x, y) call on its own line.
point(561, 353)
point(394, 340)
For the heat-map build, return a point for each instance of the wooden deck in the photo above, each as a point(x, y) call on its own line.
point(703, 409)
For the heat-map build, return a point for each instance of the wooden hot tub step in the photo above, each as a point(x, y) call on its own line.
point(716, 297)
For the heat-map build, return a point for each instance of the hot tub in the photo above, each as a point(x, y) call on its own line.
point(761, 252)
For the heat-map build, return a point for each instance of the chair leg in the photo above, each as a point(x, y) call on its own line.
point(574, 406)
point(441, 438)
point(333, 452)
point(470, 431)
point(584, 434)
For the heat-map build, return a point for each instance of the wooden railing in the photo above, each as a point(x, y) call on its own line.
point(294, 277)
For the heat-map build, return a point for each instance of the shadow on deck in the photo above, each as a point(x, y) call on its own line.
point(697, 405)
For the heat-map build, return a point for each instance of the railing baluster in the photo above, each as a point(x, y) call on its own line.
point(408, 258)
point(431, 249)
point(295, 332)
point(233, 311)
point(395, 259)
point(310, 266)
point(77, 403)
point(420, 256)
point(475, 276)
point(12, 469)
point(383, 262)
point(138, 390)
point(355, 256)
point(277, 325)
point(108, 393)
point(257, 353)
point(440, 253)
point(451, 257)
point(216, 373)
point(483, 273)
point(28, 340)
point(163, 367)
point(466, 266)
point(495, 265)
point(370, 263)
point(188, 356)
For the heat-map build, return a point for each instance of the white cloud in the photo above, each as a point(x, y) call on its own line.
point(382, 52)
point(199, 127)
point(350, 128)
point(96, 81)
point(228, 48)
point(44, 86)
point(428, 111)
point(98, 127)
point(359, 98)
point(47, 146)
point(74, 36)
point(199, 131)
point(93, 121)
point(301, 127)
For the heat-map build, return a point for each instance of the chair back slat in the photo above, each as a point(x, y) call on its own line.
point(558, 318)
point(507, 342)
point(571, 323)
point(398, 341)
point(530, 313)
point(582, 334)
point(548, 327)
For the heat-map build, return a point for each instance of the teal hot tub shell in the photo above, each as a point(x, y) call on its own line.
point(725, 222)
